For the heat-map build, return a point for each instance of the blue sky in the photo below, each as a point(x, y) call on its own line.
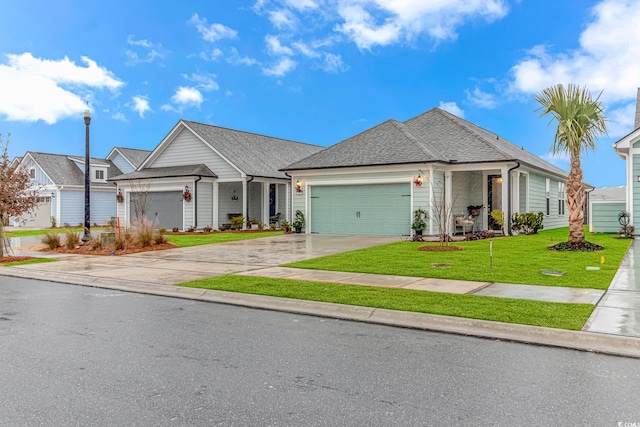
point(316, 71)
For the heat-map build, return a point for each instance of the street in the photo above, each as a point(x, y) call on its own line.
point(73, 355)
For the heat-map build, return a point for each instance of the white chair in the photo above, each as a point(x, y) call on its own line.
point(463, 223)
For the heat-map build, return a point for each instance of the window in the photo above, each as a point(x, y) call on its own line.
point(100, 174)
point(547, 196)
point(561, 197)
point(32, 173)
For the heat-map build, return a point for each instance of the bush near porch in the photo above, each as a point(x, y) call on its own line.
point(516, 259)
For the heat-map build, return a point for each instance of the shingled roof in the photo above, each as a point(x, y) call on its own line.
point(167, 171)
point(255, 155)
point(434, 136)
point(62, 170)
point(133, 155)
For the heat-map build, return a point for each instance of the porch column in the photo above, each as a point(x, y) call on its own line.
point(215, 206)
point(244, 203)
point(515, 193)
point(504, 172)
point(265, 203)
point(287, 195)
point(448, 200)
point(431, 200)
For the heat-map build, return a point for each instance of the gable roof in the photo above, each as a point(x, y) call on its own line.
point(166, 172)
point(609, 193)
point(134, 156)
point(62, 170)
point(250, 153)
point(433, 136)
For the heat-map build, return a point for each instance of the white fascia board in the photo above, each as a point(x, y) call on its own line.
point(626, 142)
point(34, 161)
point(115, 150)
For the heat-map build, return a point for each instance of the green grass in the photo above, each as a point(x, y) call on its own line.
point(516, 259)
point(186, 240)
point(29, 261)
point(536, 313)
point(24, 233)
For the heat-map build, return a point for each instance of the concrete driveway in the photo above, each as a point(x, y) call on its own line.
point(183, 264)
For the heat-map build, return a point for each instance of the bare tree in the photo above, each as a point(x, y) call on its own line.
point(141, 198)
point(17, 194)
point(442, 214)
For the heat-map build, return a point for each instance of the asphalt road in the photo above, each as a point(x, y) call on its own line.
point(72, 355)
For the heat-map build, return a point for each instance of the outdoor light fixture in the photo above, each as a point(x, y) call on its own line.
point(419, 180)
point(299, 186)
point(499, 180)
point(234, 197)
point(87, 180)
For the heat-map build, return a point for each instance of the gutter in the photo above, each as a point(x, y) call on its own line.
point(509, 196)
point(247, 201)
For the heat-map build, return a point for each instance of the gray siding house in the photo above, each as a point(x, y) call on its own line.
point(604, 206)
point(225, 172)
point(60, 180)
point(372, 182)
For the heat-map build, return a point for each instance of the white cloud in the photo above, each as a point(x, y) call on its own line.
point(213, 56)
point(282, 18)
point(561, 160)
point(212, 32)
point(302, 5)
point(152, 51)
point(140, 104)
point(284, 66)
point(481, 99)
point(334, 64)
point(187, 96)
point(35, 89)
point(228, 93)
point(621, 120)
point(305, 50)
point(204, 81)
point(608, 56)
point(383, 22)
point(119, 116)
point(275, 47)
point(453, 108)
point(236, 59)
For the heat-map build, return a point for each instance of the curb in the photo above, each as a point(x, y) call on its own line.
point(577, 340)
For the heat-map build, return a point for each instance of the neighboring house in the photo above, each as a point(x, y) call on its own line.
point(60, 179)
point(226, 173)
point(127, 159)
point(628, 148)
point(372, 182)
point(604, 206)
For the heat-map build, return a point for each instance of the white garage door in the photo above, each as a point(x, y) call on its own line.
point(40, 217)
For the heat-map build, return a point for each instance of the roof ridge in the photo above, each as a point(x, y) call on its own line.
point(430, 151)
point(250, 133)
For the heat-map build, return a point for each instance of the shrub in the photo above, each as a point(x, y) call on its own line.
point(191, 229)
point(113, 222)
point(175, 229)
point(144, 232)
point(498, 217)
point(272, 227)
point(237, 221)
point(121, 241)
point(53, 222)
point(285, 225)
point(52, 240)
point(529, 222)
point(208, 229)
point(162, 230)
point(95, 243)
point(160, 238)
point(72, 239)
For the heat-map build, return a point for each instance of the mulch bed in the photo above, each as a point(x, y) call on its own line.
point(86, 250)
point(441, 248)
point(8, 259)
point(582, 247)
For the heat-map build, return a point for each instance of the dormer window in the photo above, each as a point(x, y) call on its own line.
point(99, 174)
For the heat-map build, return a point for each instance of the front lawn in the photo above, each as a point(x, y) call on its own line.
point(186, 240)
point(27, 261)
point(524, 312)
point(42, 231)
point(516, 259)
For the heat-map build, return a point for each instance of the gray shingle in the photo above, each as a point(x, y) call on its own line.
point(433, 136)
point(62, 170)
point(255, 155)
point(134, 155)
point(168, 171)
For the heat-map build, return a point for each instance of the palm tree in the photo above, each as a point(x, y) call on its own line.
point(580, 121)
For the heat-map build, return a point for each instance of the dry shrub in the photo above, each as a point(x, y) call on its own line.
point(95, 243)
point(71, 239)
point(52, 240)
point(160, 238)
point(122, 240)
point(144, 232)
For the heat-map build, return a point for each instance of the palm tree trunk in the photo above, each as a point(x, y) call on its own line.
point(575, 201)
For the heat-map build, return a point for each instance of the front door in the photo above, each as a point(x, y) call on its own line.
point(494, 196)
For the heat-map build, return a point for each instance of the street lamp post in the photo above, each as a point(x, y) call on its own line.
point(87, 181)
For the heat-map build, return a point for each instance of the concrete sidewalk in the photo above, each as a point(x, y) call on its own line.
point(153, 272)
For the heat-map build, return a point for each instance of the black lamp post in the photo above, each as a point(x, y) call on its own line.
point(87, 181)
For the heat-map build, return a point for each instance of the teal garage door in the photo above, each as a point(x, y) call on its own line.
point(372, 209)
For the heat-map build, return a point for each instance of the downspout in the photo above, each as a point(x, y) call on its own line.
point(247, 201)
point(195, 203)
point(509, 197)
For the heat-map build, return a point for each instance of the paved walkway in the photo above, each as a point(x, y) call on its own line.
point(617, 312)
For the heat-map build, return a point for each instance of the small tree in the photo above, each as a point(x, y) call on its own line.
point(17, 195)
point(442, 215)
point(141, 199)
